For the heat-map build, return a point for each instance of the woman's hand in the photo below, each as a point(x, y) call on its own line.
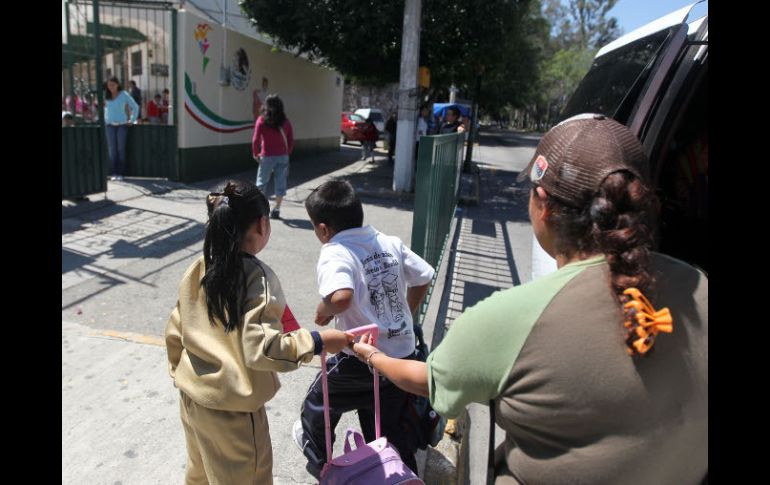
point(364, 348)
point(336, 340)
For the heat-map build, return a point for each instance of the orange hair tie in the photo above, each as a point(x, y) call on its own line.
point(643, 322)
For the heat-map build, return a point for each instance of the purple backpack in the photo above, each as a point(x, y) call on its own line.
point(372, 463)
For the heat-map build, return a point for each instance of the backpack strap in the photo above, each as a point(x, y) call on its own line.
point(491, 459)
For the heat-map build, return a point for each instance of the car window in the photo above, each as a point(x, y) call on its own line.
point(683, 185)
point(357, 118)
point(613, 75)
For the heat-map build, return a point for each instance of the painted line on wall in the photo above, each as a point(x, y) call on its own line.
point(206, 117)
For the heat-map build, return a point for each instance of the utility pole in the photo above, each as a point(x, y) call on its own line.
point(407, 97)
point(473, 135)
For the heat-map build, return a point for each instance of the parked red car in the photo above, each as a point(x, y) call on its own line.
point(351, 128)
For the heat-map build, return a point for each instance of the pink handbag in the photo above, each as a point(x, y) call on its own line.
point(369, 463)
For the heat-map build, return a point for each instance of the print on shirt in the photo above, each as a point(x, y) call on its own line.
point(381, 275)
point(390, 282)
point(377, 297)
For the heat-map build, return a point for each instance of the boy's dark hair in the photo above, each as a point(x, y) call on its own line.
point(336, 204)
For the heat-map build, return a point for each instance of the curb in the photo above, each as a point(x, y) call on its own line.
point(446, 464)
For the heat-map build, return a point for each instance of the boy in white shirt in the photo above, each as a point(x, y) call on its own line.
point(364, 276)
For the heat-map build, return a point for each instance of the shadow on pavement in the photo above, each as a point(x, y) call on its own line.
point(298, 223)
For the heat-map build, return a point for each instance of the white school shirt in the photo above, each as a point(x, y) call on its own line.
point(379, 269)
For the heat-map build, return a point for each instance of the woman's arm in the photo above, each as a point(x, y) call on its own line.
point(409, 375)
point(134, 107)
point(415, 295)
point(289, 137)
point(255, 140)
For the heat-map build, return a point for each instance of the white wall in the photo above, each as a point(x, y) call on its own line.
point(312, 94)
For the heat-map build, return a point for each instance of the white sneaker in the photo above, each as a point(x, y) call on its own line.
point(298, 435)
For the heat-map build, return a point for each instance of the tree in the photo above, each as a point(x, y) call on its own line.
point(577, 31)
point(593, 27)
point(561, 75)
point(513, 82)
point(362, 38)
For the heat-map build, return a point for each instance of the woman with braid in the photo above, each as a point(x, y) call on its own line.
point(225, 341)
point(598, 372)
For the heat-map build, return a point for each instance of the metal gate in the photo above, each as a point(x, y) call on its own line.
point(132, 40)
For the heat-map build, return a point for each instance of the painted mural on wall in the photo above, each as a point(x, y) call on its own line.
point(240, 72)
point(206, 116)
point(258, 98)
point(201, 37)
point(224, 114)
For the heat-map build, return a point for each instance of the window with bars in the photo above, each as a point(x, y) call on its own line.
point(136, 63)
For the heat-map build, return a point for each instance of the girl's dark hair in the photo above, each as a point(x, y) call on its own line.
point(231, 214)
point(618, 222)
point(272, 111)
point(107, 93)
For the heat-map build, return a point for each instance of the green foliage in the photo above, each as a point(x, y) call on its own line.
point(526, 55)
point(362, 39)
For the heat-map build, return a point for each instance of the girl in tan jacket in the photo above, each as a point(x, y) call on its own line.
point(225, 343)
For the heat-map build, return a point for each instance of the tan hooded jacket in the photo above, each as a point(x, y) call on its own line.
point(233, 371)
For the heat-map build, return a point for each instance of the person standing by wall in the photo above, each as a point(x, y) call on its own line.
point(272, 144)
point(165, 107)
point(116, 123)
point(422, 127)
point(136, 94)
point(390, 128)
point(154, 108)
point(452, 123)
point(371, 135)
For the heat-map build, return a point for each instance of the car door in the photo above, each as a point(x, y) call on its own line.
point(676, 141)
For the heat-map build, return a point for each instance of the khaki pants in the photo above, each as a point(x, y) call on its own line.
point(224, 447)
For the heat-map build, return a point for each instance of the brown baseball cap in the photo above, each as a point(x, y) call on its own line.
point(575, 156)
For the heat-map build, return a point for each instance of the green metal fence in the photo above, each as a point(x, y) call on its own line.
point(83, 170)
point(131, 40)
point(439, 163)
point(151, 151)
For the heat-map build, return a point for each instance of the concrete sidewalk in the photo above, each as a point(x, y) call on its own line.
point(123, 254)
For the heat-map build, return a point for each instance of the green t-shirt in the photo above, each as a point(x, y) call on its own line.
point(474, 360)
point(574, 405)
